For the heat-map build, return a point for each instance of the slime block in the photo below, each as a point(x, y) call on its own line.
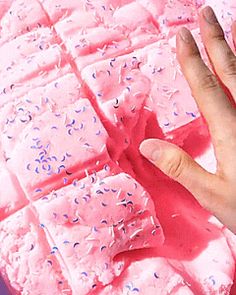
point(90, 38)
point(24, 45)
point(26, 259)
point(23, 16)
point(120, 89)
point(47, 156)
point(152, 276)
point(12, 197)
point(148, 78)
point(93, 220)
point(16, 115)
point(216, 275)
point(35, 70)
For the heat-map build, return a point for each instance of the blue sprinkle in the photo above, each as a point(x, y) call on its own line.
point(84, 273)
point(66, 242)
point(135, 290)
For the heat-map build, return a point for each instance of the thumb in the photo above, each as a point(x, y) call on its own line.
point(178, 165)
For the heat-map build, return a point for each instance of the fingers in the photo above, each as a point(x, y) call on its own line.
point(219, 52)
point(206, 89)
point(179, 166)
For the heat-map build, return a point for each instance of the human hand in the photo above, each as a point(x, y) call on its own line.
point(215, 192)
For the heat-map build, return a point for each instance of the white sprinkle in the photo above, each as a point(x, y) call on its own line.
point(175, 215)
point(147, 108)
point(136, 232)
point(152, 220)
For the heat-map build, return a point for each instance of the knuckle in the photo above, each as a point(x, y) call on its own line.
point(230, 68)
point(175, 165)
point(209, 82)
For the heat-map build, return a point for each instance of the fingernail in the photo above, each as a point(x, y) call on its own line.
point(209, 15)
point(185, 35)
point(150, 149)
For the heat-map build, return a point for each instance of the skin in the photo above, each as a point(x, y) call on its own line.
point(215, 192)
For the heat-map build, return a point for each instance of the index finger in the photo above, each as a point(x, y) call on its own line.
point(210, 97)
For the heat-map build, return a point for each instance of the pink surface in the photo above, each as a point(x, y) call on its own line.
point(81, 211)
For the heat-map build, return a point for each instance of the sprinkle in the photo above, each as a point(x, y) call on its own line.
point(191, 114)
point(38, 190)
point(103, 221)
point(75, 220)
point(136, 233)
point(32, 247)
point(76, 201)
point(102, 248)
point(103, 204)
point(54, 249)
point(75, 244)
point(109, 72)
point(28, 166)
point(94, 75)
point(49, 262)
point(156, 276)
point(84, 273)
point(68, 155)
point(37, 170)
point(135, 290)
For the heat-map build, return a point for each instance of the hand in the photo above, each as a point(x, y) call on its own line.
point(215, 192)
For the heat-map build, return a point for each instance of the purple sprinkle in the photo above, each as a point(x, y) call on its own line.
point(129, 194)
point(68, 155)
point(75, 220)
point(106, 189)
point(103, 221)
point(54, 158)
point(65, 215)
point(75, 244)
point(50, 262)
point(103, 247)
point(32, 247)
point(63, 159)
point(94, 76)
point(114, 190)
point(28, 166)
point(99, 192)
point(84, 273)
point(135, 290)
point(37, 170)
point(38, 190)
point(54, 127)
point(69, 131)
point(66, 242)
point(94, 119)
point(98, 132)
point(94, 286)
point(156, 276)
point(56, 85)
point(77, 111)
point(109, 72)
point(76, 201)
point(42, 225)
point(103, 204)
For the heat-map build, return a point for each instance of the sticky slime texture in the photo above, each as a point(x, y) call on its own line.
point(82, 83)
